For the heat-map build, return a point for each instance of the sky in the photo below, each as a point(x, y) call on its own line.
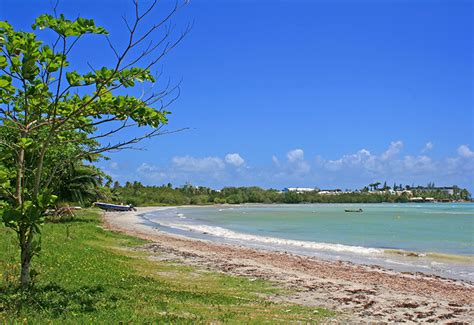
point(299, 93)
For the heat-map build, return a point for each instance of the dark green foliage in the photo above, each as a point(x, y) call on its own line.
point(82, 184)
point(140, 195)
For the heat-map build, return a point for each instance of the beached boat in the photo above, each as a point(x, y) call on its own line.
point(354, 210)
point(114, 207)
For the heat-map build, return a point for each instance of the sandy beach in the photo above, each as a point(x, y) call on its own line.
point(362, 294)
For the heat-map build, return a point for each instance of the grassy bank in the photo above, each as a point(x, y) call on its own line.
point(88, 275)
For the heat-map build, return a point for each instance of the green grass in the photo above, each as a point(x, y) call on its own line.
point(94, 277)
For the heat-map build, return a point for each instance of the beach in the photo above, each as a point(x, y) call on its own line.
point(360, 293)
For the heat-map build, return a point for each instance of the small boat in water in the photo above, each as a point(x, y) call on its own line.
point(114, 207)
point(354, 210)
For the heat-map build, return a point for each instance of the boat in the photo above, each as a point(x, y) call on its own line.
point(114, 207)
point(354, 210)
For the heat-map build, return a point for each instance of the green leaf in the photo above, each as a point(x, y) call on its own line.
point(3, 62)
point(26, 142)
point(4, 83)
point(45, 200)
point(11, 217)
point(4, 26)
point(4, 179)
point(73, 78)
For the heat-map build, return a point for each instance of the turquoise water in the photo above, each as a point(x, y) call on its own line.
point(442, 234)
point(421, 228)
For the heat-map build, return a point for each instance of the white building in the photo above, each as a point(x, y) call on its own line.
point(444, 189)
point(300, 189)
point(330, 192)
point(407, 192)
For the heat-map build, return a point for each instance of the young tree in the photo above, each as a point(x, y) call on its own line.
point(51, 113)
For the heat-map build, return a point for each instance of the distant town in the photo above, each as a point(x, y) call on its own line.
point(139, 195)
point(414, 194)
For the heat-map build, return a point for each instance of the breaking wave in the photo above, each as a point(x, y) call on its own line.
point(229, 234)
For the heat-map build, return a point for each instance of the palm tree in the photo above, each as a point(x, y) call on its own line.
point(465, 195)
point(81, 183)
point(376, 185)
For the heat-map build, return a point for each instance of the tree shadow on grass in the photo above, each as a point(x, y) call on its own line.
point(54, 300)
point(70, 221)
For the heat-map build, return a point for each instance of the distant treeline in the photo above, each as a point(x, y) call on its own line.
point(139, 195)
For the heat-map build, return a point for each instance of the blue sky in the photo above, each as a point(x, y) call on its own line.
point(302, 93)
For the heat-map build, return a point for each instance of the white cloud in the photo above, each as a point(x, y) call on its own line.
point(394, 148)
point(275, 161)
point(192, 164)
point(362, 158)
point(465, 152)
point(146, 168)
point(150, 171)
point(302, 167)
point(351, 170)
point(418, 164)
point(428, 147)
point(296, 162)
point(197, 170)
point(295, 155)
point(462, 165)
point(334, 165)
point(113, 165)
point(234, 159)
point(387, 163)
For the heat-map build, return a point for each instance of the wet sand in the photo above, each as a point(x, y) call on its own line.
point(361, 293)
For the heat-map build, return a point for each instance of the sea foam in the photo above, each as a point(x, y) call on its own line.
point(230, 234)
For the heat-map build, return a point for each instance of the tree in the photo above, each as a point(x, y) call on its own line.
point(376, 185)
point(80, 183)
point(51, 113)
point(465, 195)
point(116, 185)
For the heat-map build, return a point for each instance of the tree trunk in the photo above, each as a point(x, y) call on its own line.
point(26, 242)
point(19, 177)
point(39, 171)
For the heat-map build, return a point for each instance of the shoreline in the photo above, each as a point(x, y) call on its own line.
point(360, 292)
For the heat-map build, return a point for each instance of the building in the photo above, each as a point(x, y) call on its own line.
point(300, 189)
point(330, 192)
point(309, 189)
point(449, 190)
point(420, 199)
point(407, 192)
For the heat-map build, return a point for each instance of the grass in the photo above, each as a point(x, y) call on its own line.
point(85, 274)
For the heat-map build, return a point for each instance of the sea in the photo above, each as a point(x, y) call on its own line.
point(432, 238)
